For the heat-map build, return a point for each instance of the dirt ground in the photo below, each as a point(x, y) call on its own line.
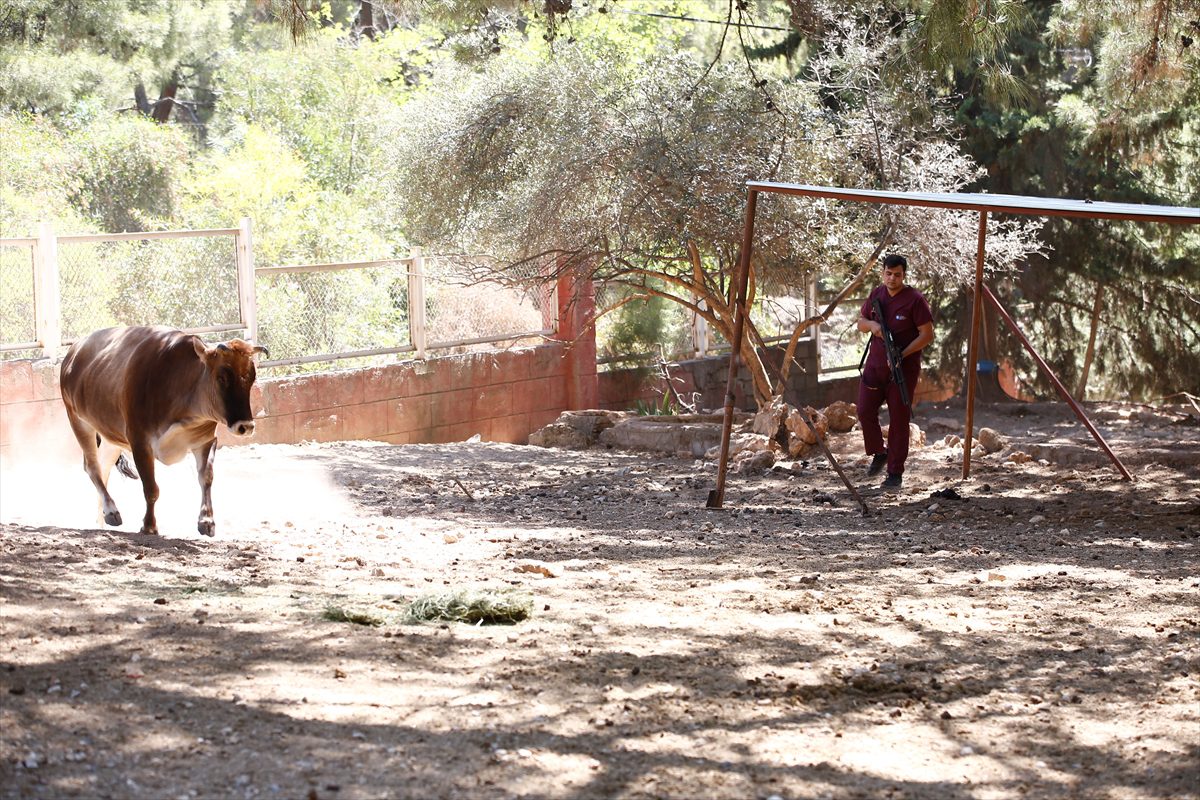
point(1034, 637)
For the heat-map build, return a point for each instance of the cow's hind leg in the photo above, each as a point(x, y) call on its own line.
point(87, 438)
point(205, 455)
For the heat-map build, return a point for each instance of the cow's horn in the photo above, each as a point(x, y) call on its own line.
point(258, 348)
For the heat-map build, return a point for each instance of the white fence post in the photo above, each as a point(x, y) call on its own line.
point(46, 298)
point(247, 298)
point(416, 302)
point(700, 331)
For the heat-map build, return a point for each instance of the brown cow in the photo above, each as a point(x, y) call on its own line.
point(158, 393)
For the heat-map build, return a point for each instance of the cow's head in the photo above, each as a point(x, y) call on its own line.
point(231, 373)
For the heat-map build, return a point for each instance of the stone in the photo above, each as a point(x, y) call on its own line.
point(739, 442)
point(992, 440)
point(916, 436)
point(753, 462)
point(796, 425)
point(768, 420)
point(841, 416)
point(575, 430)
point(559, 435)
point(665, 435)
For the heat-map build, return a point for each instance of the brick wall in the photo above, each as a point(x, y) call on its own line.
point(502, 396)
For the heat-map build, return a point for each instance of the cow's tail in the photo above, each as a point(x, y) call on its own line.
point(122, 464)
point(126, 469)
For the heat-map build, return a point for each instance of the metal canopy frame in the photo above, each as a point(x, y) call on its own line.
point(984, 204)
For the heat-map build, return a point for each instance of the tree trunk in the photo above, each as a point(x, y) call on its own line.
point(1081, 390)
point(166, 101)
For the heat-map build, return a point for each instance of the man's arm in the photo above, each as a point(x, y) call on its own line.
point(924, 337)
point(874, 328)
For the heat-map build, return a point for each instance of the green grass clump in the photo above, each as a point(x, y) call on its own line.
point(477, 607)
point(339, 614)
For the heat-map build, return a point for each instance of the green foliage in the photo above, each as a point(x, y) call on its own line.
point(129, 170)
point(643, 326)
point(662, 408)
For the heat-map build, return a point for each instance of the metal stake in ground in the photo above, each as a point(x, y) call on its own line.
point(834, 463)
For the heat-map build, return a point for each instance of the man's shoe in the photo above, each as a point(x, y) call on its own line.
point(892, 481)
point(877, 463)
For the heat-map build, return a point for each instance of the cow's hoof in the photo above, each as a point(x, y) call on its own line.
point(112, 518)
point(207, 527)
point(149, 531)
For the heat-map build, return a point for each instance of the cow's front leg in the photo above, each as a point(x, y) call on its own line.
point(205, 455)
point(143, 459)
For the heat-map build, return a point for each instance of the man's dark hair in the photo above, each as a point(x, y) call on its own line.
point(895, 260)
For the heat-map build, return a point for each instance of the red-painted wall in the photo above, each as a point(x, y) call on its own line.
point(501, 396)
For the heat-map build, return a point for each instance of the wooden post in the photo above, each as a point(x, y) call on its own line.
point(247, 296)
point(47, 300)
point(737, 293)
point(972, 343)
point(416, 302)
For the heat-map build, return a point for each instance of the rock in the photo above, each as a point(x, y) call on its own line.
point(536, 569)
point(841, 416)
point(739, 442)
point(672, 435)
point(796, 425)
point(1019, 457)
point(992, 440)
point(753, 462)
point(916, 436)
point(575, 430)
point(769, 420)
point(948, 423)
point(952, 440)
point(558, 435)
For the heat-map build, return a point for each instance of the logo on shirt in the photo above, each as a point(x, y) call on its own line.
point(900, 316)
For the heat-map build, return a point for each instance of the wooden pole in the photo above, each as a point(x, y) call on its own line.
point(716, 497)
point(1062, 390)
point(972, 343)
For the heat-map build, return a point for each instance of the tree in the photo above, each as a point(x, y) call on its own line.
point(634, 172)
point(1110, 113)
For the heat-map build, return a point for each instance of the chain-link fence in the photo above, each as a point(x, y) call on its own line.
point(464, 310)
point(361, 313)
point(57, 289)
point(186, 283)
point(18, 323)
point(317, 313)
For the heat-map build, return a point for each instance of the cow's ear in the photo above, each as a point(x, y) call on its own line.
point(201, 350)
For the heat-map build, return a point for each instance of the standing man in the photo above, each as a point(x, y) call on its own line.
point(906, 314)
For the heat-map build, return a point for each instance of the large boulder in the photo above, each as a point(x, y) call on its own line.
point(992, 441)
point(770, 419)
point(842, 416)
point(675, 435)
point(575, 430)
point(801, 430)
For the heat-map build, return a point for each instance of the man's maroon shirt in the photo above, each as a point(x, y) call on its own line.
point(903, 314)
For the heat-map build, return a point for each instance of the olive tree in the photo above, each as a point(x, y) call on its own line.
point(633, 172)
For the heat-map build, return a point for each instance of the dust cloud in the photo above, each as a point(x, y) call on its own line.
point(42, 483)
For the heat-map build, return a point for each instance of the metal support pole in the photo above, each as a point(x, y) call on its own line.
point(1062, 390)
point(737, 292)
point(972, 342)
